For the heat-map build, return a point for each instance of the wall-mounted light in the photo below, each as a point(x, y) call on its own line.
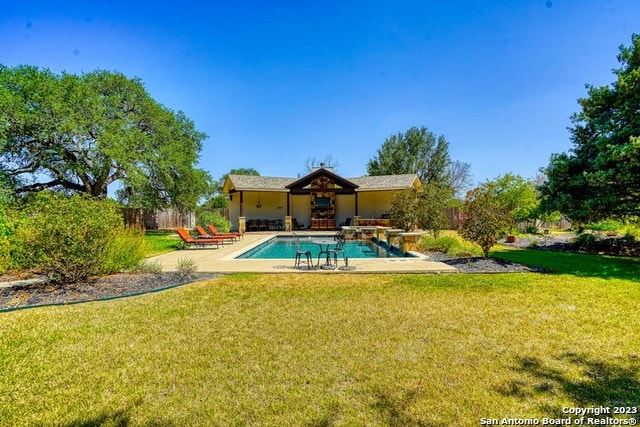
point(259, 205)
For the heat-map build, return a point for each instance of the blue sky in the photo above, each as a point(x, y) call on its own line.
point(275, 83)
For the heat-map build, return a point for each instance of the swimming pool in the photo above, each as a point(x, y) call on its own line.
point(284, 247)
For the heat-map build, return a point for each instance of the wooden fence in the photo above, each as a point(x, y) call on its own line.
point(158, 220)
point(563, 224)
point(456, 217)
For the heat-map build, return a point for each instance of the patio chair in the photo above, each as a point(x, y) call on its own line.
point(252, 225)
point(297, 225)
point(231, 234)
point(300, 252)
point(339, 250)
point(189, 240)
point(347, 223)
point(202, 234)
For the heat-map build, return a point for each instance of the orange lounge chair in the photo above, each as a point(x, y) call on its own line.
point(202, 234)
point(214, 232)
point(188, 240)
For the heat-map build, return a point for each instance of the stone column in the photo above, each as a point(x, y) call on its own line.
point(288, 223)
point(409, 242)
point(242, 224)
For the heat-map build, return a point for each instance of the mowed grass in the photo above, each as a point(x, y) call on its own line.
point(160, 242)
point(579, 264)
point(319, 350)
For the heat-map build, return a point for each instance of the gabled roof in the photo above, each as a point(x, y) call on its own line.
point(306, 180)
point(235, 183)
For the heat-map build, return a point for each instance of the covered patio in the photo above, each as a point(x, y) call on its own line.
point(320, 200)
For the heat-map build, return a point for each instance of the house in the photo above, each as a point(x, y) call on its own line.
point(321, 199)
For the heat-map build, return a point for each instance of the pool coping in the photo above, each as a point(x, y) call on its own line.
point(223, 260)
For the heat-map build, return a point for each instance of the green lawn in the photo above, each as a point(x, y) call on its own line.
point(329, 350)
point(160, 242)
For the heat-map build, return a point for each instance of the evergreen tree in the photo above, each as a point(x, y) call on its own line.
point(600, 176)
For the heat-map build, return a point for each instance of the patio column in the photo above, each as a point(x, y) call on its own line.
point(241, 203)
point(356, 193)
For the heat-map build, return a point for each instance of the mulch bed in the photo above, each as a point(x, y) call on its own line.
point(113, 286)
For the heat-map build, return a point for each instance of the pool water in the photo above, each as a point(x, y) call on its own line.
point(284, 247)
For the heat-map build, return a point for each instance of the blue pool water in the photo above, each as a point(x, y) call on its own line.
point(284, 247)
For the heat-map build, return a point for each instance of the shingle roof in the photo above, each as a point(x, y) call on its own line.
point(263, 183)
point(271, 183)
point(385, 182)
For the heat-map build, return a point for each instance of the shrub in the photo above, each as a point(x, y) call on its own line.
point(204, 217)
point(147, 266)
point(451, 244)
point(532, 229)
point(631, 231)
point(607, 225)
point(5, 232)
point(487, 219)
point(69, 238)
point(186, 266)
point(403, 209)
point(125, 250)
point(587, 242)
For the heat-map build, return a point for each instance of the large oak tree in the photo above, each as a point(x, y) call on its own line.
point(420, 151)
point(82, 133)
point(600, 176)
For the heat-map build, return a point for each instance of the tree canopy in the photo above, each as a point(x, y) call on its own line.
point(487, 216)
point(600, 176)
point(420, 151)
point(82, 133)
point(518, 195)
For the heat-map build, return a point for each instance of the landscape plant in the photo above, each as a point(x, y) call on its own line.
point(486, 218)
point(402, 212)
point(600, 176)
point(430, 203)
point(186, 265)
point(125, 250)
point(6, 230)
point(517, 195)
point(449, 243)
point(206, 216)
point(69, 238)
point(423, 207)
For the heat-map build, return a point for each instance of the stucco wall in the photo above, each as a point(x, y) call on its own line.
point(345, 207)
point(301, 208)
point(373, 204)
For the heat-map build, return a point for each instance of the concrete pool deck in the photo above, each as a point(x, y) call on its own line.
point(222, 260)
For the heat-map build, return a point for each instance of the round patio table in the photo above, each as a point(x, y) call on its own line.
point(324, 245)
